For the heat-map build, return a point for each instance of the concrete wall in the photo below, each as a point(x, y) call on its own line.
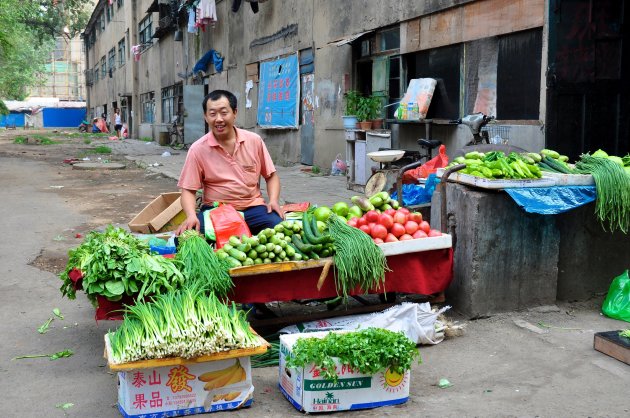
point(504, 259)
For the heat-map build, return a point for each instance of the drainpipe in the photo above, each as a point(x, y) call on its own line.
point(135, 102)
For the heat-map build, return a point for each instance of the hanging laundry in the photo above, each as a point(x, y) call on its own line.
point(202, 64)
point(206, 14)
point(136, 50)
point(191, 20)
point(236, 4)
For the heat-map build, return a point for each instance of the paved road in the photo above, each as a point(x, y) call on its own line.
point(498, 368)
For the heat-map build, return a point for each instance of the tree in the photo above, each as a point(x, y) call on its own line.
point(27, 34)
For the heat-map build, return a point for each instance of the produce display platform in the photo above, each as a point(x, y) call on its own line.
point(175, 361)
point(545, 181)
point(421, 266)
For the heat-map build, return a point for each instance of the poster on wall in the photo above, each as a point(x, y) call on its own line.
point(279, 93)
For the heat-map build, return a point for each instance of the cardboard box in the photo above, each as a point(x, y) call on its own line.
point(163, 214)
point(177, 390)
point(308, 391)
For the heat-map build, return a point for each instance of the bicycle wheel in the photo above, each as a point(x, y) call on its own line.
point(177, 141)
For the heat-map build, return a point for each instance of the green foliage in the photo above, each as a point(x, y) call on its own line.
point(4, 110)
point(87, 141)
point(101, 149)
point(369, 351)
point(368, 108)
point(352, 102)
point(146, 139)
point(20, 140)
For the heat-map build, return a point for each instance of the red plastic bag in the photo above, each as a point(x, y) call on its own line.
point(430, 167)
point(227, 222)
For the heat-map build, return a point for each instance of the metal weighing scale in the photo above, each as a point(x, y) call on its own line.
point(385, 177)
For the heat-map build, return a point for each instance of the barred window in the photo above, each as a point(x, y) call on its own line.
point(121, 52)
point(95, 73)
point(120, 3)
point(111, 58)
point(171, 102)
point(145, 30)
point(147, 101)
point(103, 67)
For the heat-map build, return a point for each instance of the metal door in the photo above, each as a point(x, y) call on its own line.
point(307, 129)
point(380, 79)
point(194, 122)
point(588, 100)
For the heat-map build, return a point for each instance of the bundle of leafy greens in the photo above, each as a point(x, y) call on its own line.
point(189, 322)
point(114, 263)
point(369, 351)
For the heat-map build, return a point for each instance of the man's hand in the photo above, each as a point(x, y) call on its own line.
point(189, 223)
point(275, 206)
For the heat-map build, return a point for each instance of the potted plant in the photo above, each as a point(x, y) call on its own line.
point(375, 115)
point(364, 112)
point(352, 98)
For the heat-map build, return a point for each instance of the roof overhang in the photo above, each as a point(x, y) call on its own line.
point(349, 39)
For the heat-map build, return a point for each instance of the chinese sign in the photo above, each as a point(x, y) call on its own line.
point(279, 93)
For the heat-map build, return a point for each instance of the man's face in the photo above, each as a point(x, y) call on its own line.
point(220, 117)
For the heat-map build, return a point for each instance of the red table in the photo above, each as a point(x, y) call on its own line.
point(422, 273)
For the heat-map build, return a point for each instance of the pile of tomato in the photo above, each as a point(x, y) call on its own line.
point(394, 225)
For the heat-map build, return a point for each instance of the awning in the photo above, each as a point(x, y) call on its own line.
point(347, 39)
point(153, 7)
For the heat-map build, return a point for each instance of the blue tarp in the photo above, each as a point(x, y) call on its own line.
point(552, 200)
point(417, 194)
point(12, 119)
point(59, 117)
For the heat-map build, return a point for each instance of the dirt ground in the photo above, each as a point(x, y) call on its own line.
point(105, 196)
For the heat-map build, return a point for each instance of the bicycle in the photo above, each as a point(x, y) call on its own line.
point(176, 135)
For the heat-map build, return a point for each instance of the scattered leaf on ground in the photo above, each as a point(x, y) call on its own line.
point(64, 406)
point(57, 313)
point(444, 383)
point(44, 328)
point(53, 356)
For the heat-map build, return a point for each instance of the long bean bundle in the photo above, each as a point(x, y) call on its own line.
point(185, 323)
point(613, 191)
point(358, 260)
point(201, 263)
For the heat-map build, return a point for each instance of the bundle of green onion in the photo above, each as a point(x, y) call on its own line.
point(185, 323)
point(199, 262)
point(613, 190)
point(358, 260)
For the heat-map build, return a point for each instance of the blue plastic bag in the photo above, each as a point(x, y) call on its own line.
point(417, 194)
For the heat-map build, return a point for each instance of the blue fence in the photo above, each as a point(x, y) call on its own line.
point(12, 119)
point(55, 117)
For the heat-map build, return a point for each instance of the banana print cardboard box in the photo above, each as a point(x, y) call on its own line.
point(308, 391)
point(186, 389)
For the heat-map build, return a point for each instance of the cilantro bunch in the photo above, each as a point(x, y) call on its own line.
point(114, 263)
point(369, 351)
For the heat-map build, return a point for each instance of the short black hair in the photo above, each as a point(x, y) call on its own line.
point(216, 95)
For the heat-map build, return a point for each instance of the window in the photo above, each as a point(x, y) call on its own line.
point(95, 73)
point(144, 30)
point(147, 101)
point(389, 39)
point(109, 12)
point(101, 19)
point(171, 102)
point(121, 52)
point(103, 67)
point(111, 59)
point(119, 3)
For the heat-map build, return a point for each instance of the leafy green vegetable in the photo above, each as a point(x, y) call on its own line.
point(358, 260)
point(53, 356)
point(114, 264)
point(57, 313)
point(44, 328)
point(625, 333)
point(370, 351)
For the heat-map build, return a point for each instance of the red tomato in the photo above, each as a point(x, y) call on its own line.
point(390, 238)
point(386, 220)
point(371, 225)
point(400, 218)
point(390, 212)
point(353, 222)
point(405, 237)
point(371, 216)
point(424, 225)
point(419, 234)
point(379, 231)
point(361, 221)
point(411, 227)
point(435, 233)
point(397, 230)
point(377, 240)
point(416, 217)
point(365, 229)
point(404, 210)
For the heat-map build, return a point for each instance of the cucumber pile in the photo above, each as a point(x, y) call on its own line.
point(551, 161)
point(291, 240)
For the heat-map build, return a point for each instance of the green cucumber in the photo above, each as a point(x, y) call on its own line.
point(239, 255)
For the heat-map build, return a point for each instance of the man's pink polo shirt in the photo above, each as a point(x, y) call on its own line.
point(224, 178)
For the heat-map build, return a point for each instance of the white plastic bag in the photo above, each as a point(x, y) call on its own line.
point(339, 166)
point(415, 320)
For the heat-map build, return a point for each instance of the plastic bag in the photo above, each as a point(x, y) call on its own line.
point(225, 222)
point(416, 194)
point(430, 167)
point(617, 302)
point(339, 166)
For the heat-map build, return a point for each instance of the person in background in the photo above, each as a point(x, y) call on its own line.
point(95, 128)
point(117, 123)
point(104, 117)
point(227, 164)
